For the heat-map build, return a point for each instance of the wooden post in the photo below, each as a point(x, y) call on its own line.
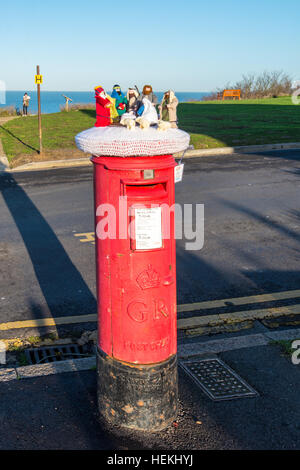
point(39, 109)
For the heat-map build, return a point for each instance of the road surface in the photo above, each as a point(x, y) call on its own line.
point(252, 228)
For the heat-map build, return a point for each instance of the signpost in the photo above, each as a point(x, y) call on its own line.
point(38, 81)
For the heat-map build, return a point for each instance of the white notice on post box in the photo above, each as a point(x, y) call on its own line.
point(178, 172)
point(148, 233)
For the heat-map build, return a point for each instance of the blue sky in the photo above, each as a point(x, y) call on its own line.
point(186, 45)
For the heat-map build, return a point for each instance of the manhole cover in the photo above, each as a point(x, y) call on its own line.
point(56, 353)
point(217, 379)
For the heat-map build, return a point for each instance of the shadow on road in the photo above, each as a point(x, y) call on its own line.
point(62, 285)
point(267, 222)
point(259, 263)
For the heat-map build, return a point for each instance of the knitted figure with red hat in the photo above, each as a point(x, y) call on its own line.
point(103, 104)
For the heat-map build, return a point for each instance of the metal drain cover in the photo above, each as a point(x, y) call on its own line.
point(56, 353)
point(217, 379)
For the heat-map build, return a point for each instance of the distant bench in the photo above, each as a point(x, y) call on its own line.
point(231, 94)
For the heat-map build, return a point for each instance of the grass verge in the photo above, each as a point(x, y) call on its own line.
point(246, 122)
point(211, 124)
point(285, 346)
point(20, 136)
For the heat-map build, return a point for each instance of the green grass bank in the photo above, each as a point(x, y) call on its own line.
point(246, 122)
point(211, 124)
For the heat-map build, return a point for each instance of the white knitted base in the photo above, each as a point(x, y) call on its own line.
point(116, 141)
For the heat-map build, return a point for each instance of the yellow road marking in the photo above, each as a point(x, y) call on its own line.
point(38, 322)
point(184, 322)
point(253, 299)
point(87, 237)
point(236, 317)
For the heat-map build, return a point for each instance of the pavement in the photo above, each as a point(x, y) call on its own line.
point(60, 411)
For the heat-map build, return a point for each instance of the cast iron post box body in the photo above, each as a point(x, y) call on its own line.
point(136, 289)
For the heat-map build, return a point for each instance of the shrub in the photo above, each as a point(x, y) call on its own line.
point(77, 106)
point(264, 85)
point(8, 111)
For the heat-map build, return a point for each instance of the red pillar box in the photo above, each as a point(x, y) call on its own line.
point(136, 279)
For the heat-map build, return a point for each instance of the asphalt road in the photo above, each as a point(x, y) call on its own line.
point(252, 220)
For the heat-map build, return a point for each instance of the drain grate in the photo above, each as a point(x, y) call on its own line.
point(217, 379)
point(56, 353)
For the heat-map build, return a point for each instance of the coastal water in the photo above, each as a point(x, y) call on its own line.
point(52, 101)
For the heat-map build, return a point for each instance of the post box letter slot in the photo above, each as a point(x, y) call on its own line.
point(151, 192)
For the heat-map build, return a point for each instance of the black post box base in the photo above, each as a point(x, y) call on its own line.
point(142, 397)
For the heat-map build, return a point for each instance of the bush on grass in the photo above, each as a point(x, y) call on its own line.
point(264, 85)
point(78, 106)
point(8, 111)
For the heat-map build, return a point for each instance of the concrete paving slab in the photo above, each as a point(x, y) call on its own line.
point(72, 365)
point(7, 374)
point(284, 335)
point(218, 346)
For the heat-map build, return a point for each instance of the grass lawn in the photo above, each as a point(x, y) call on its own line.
point(211, 124)
point(285, 346)
point(245, 122)
point(20, 136)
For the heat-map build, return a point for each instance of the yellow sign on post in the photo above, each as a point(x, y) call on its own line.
point(38, 79)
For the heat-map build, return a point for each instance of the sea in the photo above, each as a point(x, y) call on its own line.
point(53, 101)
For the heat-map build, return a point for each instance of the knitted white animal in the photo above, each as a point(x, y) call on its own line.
point(144, 123)
point(129, 123)
point(163, 125)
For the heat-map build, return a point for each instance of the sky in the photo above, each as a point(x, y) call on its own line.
point(186, 45)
